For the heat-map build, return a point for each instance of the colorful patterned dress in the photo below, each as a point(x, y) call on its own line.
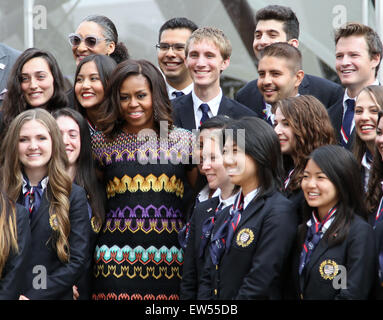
point(138, 255)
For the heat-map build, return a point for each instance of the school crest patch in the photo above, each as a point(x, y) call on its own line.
point(245, 237)
point(328, 269)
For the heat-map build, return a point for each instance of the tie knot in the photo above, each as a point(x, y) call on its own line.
point(204, 107)
point(178, 93)
point(350, 104)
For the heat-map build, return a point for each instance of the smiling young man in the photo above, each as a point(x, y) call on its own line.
point(358, 52)
point(276, 23)
point(280, 74)
point(208, 53)
point(171, 55)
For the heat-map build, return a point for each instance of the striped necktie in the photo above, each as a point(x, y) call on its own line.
point(347, 121)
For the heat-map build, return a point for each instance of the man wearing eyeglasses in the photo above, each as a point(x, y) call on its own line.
point(171, 55)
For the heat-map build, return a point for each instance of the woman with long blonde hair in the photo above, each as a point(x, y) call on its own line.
point(34, 165)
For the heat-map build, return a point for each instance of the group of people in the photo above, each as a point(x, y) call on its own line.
point(148, 183)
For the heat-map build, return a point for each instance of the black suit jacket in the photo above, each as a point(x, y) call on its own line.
point(255, 265)
point(335, 113)
point(357, 254)
point(193, 264)
point(183, 111)
point(12, 277)
point(324, 90)
point(60, 277)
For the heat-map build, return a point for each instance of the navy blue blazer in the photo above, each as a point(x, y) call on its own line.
point(357, 254)
point(183, 111)
point(335, 113)
point(12, 277)
point(255, 266)
point(193, 264)
point(324, 90)
point(60, 276)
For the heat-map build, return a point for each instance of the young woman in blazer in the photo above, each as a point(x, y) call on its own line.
point(251, 240)
point(34, 166)
point(335, 257)
point(368, 103)
point(374, 196)
point(81, 169)
point(15, 237)
point(302, 125)
point(205, 212)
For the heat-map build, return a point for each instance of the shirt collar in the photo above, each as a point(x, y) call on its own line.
point(213, 103)
point(204, 193)
point(44, 183)
point(185, 90)
point(249, 197)
point(227, 202)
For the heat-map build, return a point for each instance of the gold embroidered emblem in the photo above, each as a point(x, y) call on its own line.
point(328, 269)
point(96, 226)
point(54, 222)
point(245, 237)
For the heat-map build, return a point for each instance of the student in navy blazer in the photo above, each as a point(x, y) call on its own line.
point(16, 237)
point(358, 53)
point(302, 125)
point(374, 197)
point(207, 53)
point(34, 166)
point(251, 241)
point(336, 255)
point(183, 111)
point(76, 136)
point(206, 212)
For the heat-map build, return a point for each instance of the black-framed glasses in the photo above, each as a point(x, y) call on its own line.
point(90, 41)
point(166, 46)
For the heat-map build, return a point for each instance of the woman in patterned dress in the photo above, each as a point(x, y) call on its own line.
point(145, 162)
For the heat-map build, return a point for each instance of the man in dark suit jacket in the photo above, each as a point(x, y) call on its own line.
point(206, 58)
point(276, 23)
point(358, 51)
point(8, 57)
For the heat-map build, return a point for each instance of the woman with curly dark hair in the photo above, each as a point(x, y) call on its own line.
point(302, 125)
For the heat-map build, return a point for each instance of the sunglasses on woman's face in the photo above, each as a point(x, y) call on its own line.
point(90, 41)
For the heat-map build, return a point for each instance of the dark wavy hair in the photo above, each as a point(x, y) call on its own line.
point(374, 190)
point(111, 120)
point(105, 66)
point(15, 103)
point(311, 127)
point(341, 168)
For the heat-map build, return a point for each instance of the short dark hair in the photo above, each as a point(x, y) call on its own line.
point(105, 66)
point(286, 51)
point(283, 14)
point(263, 146)
point(372, 38)
point(177, 23)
